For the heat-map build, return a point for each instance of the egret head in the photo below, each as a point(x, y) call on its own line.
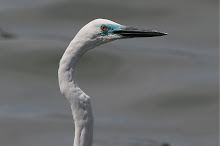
point(100, 31)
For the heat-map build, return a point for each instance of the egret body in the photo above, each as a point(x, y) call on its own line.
point(93, 34)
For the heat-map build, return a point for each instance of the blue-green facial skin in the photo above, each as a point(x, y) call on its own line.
point(110, 28)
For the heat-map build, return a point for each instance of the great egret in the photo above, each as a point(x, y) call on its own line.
point(95, 33)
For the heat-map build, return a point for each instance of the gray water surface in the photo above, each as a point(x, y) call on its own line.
point(147, 91)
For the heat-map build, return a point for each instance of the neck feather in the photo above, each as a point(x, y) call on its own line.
point(80, 102)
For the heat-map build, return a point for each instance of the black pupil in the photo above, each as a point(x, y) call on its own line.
point(103, 27)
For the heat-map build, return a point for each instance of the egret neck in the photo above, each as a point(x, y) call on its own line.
point(80, 102)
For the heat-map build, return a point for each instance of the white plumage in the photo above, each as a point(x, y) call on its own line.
point(95, 33)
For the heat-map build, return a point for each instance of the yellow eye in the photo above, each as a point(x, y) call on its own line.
point(103, 27)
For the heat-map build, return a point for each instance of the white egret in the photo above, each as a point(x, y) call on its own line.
point(93, 34)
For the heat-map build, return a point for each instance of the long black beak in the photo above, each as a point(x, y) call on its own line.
point(131, 32)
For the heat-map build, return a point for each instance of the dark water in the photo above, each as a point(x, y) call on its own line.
point(144, 91)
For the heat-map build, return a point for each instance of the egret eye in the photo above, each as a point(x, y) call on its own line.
point(103, 27)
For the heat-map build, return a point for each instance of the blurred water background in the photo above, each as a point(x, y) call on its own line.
point(143, 91)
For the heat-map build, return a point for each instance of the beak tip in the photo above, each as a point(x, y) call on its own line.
point(165, 33)
point(162, 33)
